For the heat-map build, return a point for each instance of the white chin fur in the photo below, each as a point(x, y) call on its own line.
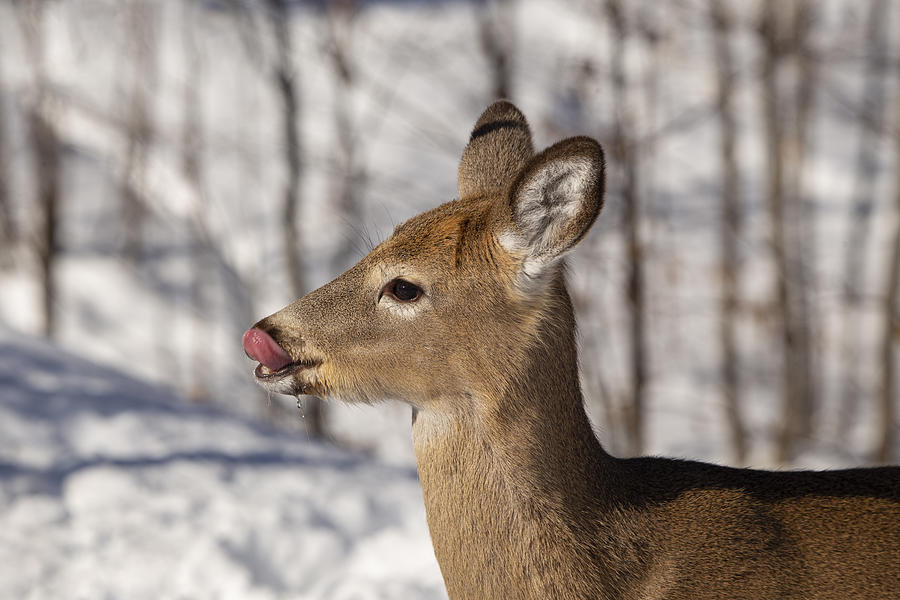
point(287, 385)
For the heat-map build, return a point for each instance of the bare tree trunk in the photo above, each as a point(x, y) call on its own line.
point(730, 228)
point(7, 224)
point(495, 31)
point(786, 35)
point(45, 148)
point(192, 166)
point(285, 81)
point(774, 193)
point(603, 400)
point(775, 49)
point(650, 29)
point(348, 175)
point(873, 101)
point(887, 411)
point(625, 155)
point(285, 77)
point(143, 25)
point(46, 155)
point(890, 330)
point(801, 236)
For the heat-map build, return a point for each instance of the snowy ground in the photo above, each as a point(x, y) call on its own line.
point(112, 488)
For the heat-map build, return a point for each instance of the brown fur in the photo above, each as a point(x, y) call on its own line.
point(522, 501)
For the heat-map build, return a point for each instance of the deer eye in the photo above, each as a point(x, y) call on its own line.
point(404, 291)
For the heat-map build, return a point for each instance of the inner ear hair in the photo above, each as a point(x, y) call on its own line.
point(556, 198)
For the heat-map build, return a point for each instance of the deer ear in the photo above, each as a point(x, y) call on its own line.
point(498, 149)
point(554, 201)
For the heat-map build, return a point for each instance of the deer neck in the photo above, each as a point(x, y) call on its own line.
point(504, 479)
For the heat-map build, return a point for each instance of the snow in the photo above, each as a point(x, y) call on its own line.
point(113, 488)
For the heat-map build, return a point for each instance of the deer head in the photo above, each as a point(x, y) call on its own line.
point(444, 308)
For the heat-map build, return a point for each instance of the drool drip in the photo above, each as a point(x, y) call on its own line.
point(302, 410)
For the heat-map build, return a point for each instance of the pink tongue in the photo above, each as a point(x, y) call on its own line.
point(262, 348)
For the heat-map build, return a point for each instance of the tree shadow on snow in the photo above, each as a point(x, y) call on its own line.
point(44, 388)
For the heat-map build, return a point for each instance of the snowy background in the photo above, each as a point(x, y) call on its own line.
point(137, 457)
point(113, 488)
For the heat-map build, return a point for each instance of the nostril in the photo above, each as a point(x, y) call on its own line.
point(260, 346)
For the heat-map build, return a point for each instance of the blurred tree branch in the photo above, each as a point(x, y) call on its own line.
point(778, 31)
point(46, 152)
point(7, 224)
point(142, 27)
point(284, 79)
point(861, 207)
point(730, 227)
point(496, 35)
point(282, 23)
point(624, 155)
point(890, 329)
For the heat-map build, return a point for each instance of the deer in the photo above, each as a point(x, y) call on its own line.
point(463, 313)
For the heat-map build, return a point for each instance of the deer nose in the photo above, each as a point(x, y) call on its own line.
point(260, 346)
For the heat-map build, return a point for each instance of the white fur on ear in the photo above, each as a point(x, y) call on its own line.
point(554, 202)
point(549, 202)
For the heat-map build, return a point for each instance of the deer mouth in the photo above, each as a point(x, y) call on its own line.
point(265, 374)
point(274, 361)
